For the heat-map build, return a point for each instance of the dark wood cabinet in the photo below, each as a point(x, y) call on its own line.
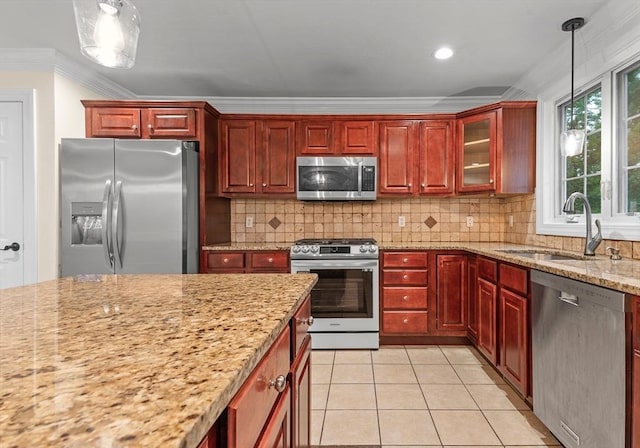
point(356, 137)
point(472, 298)
point(496, 149)
point(142, 122)
point(404, 293)
point(115, 122)
point(166, 122)
point(436, 157)
point(278, 157)
point(315, 137)
point(229, 262)
point(487, 314)
point(301, 398)
point(451, 293)
point(514, 339)
point(397, 158)
point(238, 156)
point(257, 157)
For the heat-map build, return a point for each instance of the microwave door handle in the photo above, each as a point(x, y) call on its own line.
point(360, 170)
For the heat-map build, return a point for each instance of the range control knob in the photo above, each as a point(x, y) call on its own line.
point(373, 249)
point(315, 249)
point(363, 249)
point(305, 249)
point(295, 249)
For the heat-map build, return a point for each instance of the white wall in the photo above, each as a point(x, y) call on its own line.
point(58, 112)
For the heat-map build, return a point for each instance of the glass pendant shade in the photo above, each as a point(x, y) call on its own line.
point(572, 142)
point(108, 31)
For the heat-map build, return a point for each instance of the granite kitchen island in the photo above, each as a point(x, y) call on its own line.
point(134, 360)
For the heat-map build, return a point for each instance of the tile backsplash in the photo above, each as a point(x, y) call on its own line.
point(426, 219)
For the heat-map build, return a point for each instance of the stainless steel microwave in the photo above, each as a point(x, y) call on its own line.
point(336, 178)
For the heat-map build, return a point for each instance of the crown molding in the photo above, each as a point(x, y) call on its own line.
point(341, 105)
point(48, 59)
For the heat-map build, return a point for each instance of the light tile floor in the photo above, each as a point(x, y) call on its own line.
point(417, 396)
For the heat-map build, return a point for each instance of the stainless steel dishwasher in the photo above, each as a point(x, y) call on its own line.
point(579, 361)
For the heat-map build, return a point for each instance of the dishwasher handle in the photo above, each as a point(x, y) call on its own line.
point(571, 299)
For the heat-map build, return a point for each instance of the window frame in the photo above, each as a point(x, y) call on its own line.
point(549, 217)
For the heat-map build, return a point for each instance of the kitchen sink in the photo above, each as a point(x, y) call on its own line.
point(543, 255)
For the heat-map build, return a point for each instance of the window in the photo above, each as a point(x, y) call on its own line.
point(629, 140)
point(583, 173)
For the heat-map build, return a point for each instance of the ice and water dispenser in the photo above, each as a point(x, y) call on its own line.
point(86, 223)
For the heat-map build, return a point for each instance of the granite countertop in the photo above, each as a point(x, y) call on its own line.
point(622, 275)
point(133, 360)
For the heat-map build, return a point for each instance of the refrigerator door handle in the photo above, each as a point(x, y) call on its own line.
point(107, 241)
point(117, 237)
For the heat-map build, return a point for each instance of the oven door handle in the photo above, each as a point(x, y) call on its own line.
point(306, 266)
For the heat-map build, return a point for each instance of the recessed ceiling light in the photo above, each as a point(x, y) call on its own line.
point(443, 53)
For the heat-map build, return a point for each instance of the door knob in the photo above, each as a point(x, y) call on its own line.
point(13, 246)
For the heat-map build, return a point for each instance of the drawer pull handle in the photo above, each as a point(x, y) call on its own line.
point(307, 321)
point(405, 277)
point(405, 321)
point(405, 297)
point(270, 260)
point(405, 260)
point(225, 260)
point(134, 127)
point(279, 383)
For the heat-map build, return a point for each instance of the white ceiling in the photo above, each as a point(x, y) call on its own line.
point(315, 48)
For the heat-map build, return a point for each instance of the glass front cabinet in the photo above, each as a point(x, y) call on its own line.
point(477, 158)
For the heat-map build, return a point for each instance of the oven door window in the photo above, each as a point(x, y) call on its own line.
point(328, 178)
point(342, 293)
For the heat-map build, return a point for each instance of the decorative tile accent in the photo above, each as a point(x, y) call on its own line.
point(430, 222)
point(275, 223)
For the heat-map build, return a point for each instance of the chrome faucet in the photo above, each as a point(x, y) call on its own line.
point(591, 241)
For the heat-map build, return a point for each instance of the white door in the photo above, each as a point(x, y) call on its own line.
point(11, 195)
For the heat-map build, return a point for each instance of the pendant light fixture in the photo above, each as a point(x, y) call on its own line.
point(572, 140)
point(108, 31)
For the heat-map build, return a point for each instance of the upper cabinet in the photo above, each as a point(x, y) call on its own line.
point(141, 122)
point(416, 157)
point(496, 149)
point(257, 156)
point(337, 137)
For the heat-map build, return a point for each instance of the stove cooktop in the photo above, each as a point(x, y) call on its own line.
point(334, 241)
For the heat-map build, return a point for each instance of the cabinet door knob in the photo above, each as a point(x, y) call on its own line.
point(405, 260)
point(308, 321)
point(423, 185)
point(405, 277)
point(264, 185)
point(270, 260)
point(405, 321)
point(409, 185)
point(405, 297)
point(251, 185)
point(225, 260)
point(490, 181)
point(279, 383)
point(134, 127)
point(150, 126)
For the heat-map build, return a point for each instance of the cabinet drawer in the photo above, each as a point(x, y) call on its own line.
point(488, 269)
point(225, 260)
point(406, 277)
point(300, 326)
point(269, 260)
point(404, 298)
point(251, 406)
point(514, 278)
point(404, 322)
point(404, 259)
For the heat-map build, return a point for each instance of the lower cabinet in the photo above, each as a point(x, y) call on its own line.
point(472, 298)
point(232, 262)
point(514, 339)
point(451, 293)
point(487, 314)
point(273, 406)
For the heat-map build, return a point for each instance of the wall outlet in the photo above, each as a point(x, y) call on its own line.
point(401, 221)
point(469, 221)
point(510, 220)
point(249, 222)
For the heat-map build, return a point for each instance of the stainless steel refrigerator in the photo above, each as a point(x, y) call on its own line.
point(128, 206)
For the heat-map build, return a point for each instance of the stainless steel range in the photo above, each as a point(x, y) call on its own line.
point(345, 301)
